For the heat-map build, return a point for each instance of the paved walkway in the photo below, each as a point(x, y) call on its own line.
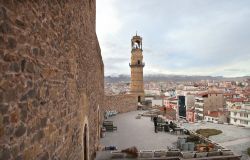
point(236, 142)
point(232, 137)
point(137, 132)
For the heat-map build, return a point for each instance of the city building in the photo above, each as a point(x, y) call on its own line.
point(181, 109)
point(157, 102)
point(199, 106)
point(170, 102)
point(209, 101)
point(240, 116)
point(170, 114)
point(190, 115)
point(234, 102)
point(216, 117)
point(189, 100)
point(136, 65)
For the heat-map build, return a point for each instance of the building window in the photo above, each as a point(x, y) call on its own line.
point(139, 62)
point(243, 122)
point(245, 115)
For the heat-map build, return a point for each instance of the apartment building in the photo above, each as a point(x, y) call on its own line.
point(199, 107)
point(216, 116)
point(240, 116)
point(209, 101)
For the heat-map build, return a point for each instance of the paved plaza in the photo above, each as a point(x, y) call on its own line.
point(137, 132)
point(140, 133)
point(235, 138)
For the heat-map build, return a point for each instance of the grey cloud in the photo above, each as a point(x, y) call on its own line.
point(181, 35)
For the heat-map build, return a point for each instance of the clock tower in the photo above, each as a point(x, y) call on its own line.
point(136, 65)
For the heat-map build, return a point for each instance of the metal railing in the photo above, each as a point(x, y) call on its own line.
point(137, 65)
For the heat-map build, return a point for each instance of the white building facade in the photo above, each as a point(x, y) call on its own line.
point(240, 117)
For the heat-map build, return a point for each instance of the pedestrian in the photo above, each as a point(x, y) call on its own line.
point(166, 127)
point(155, 123)
point(171, 125)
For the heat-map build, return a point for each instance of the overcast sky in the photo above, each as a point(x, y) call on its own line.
point(190, 37)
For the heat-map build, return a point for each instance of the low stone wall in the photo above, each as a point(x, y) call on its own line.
point(120, 103)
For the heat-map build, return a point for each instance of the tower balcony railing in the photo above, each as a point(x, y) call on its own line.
point(135, 49)
point(137, 65)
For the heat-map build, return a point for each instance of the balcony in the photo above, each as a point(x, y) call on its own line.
point(198, 105)
point(199, 109)
point(240, 118)
point(137, 64)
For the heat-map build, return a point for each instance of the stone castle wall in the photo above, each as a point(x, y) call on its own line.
point(51, 79)
point(120, 103)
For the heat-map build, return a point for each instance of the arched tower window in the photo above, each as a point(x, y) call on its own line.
point(136, 42)
point(139, 62)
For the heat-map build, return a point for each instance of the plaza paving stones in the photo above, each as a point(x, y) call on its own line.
point(140, 133)
point(137, 132)
point(235, 138)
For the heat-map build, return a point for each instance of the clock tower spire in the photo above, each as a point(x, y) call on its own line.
point(136, 65)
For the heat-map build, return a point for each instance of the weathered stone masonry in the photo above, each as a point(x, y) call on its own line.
point(51, 74)
point(120, 103)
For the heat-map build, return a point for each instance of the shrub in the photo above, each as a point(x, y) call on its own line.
point(208, 132)
point(193, 138)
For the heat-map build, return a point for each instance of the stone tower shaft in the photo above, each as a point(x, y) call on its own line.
point(136, 65)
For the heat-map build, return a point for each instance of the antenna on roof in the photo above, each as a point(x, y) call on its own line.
point(136, 33)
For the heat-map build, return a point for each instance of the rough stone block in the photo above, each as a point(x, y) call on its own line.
point(5, 28)
point(227, 153)
point(213, 153)
point(201, 154)
point(15, 67)
point(10, 57)
point(5, 153)
point(20, 23)
point(4, 108)
point(187, 155)
point(11, 43)
point(160, 153)
point(117, 154)
point(20, 130)
point(6, 120)
point(146, 154)
point(38, 136)
point(14, 117)
point(173, 153)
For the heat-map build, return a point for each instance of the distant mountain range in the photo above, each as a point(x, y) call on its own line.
point(176, 78)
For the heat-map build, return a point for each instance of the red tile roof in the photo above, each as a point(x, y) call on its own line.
point(190, 110)
point(233, 100)
point(214, 113)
